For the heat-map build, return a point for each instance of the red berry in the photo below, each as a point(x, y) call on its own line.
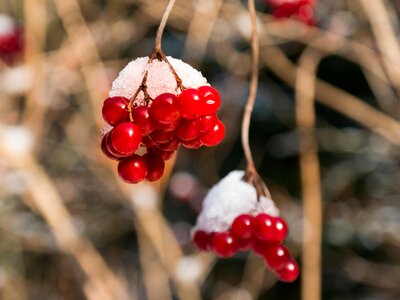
point(202, 240)
point(208, 122)
point(126, 138)
point(160, 137)
point(244, 245)
point(276, 256)
point(192, 104)
point(110, 146)
point(264, 227)
point(155, 166)
point(115, 110)
point(193, 144)
point(148, 142)
point(171, 145)
point(165, 155)
point(188, 130)
point(260, 246)
point(165, 108)
point(289, 271)
point(214, 136)
point(211, 97)
point(105, 149)
point(168, 127)
point(281, 230)
point(242, 227)
point(141, 118)
point(132, 169)
point(223, 244)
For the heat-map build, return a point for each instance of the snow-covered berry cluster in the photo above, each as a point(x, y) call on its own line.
point(234, 219)
point(302, 10)
point(156, 127)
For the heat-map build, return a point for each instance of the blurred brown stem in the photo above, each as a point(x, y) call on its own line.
point(310, 174)
point(336, 98)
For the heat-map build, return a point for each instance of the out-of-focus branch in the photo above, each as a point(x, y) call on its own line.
point(200, 29)
point(336, 98)
point(35, 12)
point(47, 201)
point(86, 52)
point(385, 37)
point(310, 174)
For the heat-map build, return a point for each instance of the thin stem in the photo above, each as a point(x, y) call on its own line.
point(251, 172)
point(255, 48)
point(161, 27)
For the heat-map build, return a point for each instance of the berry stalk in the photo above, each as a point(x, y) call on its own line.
point(251, 175)
point(157, 52)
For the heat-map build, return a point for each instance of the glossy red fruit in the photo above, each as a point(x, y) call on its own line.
point(243, 227)
point(264, 227)
point(160, 137)
point(202, 240)
point(208, 122)
point(165, 155)
point(260, 246)
point(115, 110)
point(188, 130)
point(193, 144)
point(155, 166)
point(148, 142)
point(192, 104)
point(289, 271)
point(214, 136)
point(132, 169)
point(223, 244)
point(244, 245)
point(281, 230)
point(211, 98)
point(168, 127)
point(111, 148)
point(171, 145)
point(141, 118)
point(126, 138)
point(276, 256)
point(105, 149)
point(165, 108)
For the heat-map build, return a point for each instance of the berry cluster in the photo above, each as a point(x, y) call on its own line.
point(302, 10)
point(262, 234)
point(160, 126)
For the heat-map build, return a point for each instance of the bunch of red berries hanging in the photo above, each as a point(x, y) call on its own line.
point(151, 111)
point(235, 217)
point(302, 10)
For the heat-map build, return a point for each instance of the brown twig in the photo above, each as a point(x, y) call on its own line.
point(310, 174)
point(48, 203)
point(252, 175)
point(336, 98)
point(385, 37)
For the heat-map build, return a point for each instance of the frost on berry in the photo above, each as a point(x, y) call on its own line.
point(228, 199)
point(160, 79)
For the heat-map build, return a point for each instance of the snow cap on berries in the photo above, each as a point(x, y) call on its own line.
point(159, 79)
point(228, 199)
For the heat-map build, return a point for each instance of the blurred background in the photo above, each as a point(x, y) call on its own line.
point(70, 229)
